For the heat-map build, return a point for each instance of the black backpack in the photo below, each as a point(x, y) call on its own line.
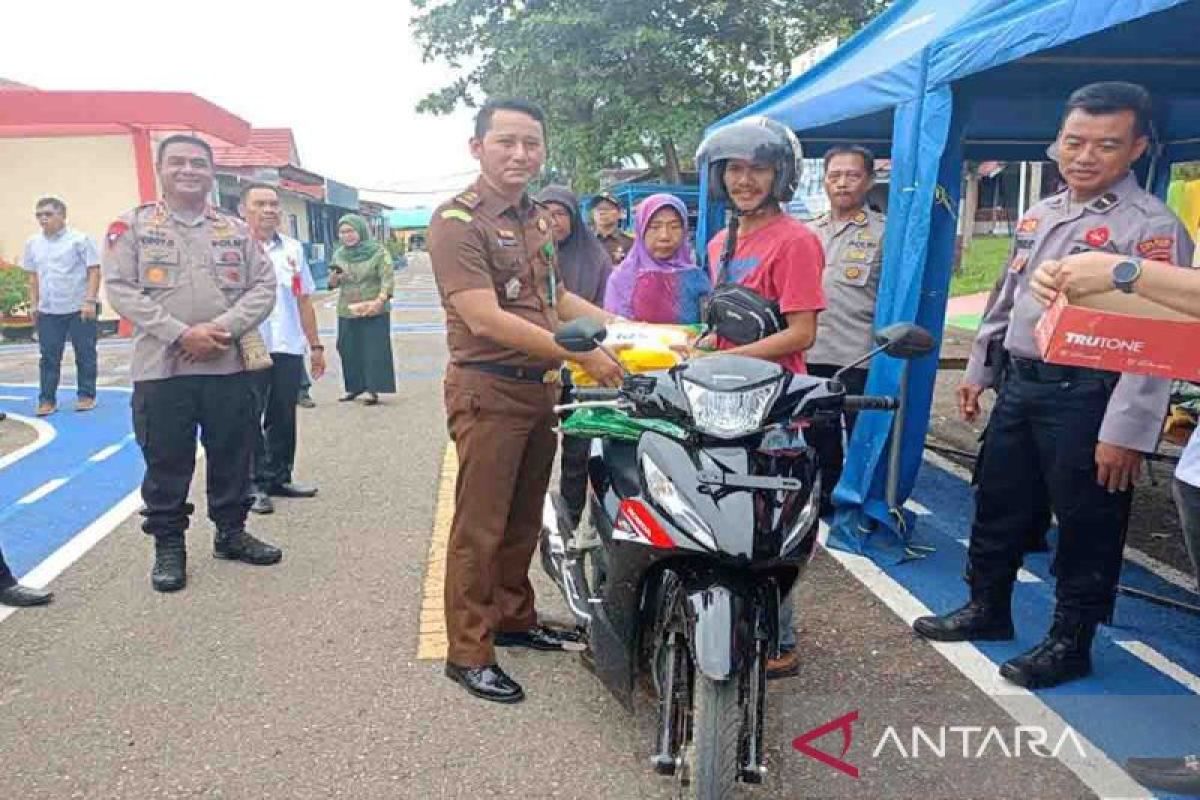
point(737, 313)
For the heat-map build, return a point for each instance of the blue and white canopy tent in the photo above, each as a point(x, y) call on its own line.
point(939, 81)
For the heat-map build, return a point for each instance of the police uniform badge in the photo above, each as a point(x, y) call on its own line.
point(541, 225)
point(115, 232)
point(1018, 263)
point(860, 218)
point(156, 276)
point(512, 289)
point(853, 273)
point(1097, 237)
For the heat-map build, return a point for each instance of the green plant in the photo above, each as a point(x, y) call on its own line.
point(14, 291)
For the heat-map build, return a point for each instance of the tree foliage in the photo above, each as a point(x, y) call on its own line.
point(624, 81)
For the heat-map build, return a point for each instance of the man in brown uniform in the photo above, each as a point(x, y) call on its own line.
point(606, 214)
point(192, 280)
point(494, 261)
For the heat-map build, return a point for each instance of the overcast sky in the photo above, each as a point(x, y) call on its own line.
point(345, 77)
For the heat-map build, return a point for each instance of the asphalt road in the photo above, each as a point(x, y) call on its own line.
point(302, 680)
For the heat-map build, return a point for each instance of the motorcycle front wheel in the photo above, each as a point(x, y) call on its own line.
point(716, 736)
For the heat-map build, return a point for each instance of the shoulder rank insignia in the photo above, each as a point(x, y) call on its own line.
point(469, 198)
point(456, 213)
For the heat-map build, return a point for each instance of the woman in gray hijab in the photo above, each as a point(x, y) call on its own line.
point(585, 266)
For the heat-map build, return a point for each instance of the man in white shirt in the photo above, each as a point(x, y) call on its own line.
point(64, 282)
point(289, 332)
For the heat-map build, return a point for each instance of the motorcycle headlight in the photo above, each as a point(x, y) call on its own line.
point(729, 414)
point(666, 496)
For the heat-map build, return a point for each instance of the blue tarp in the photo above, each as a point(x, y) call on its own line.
point(937, 81)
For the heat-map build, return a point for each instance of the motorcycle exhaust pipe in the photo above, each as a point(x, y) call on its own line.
point(561, 563)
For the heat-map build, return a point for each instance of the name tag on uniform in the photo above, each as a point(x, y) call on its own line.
point(512, 289)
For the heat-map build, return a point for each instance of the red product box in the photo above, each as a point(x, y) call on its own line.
point(1121, 333)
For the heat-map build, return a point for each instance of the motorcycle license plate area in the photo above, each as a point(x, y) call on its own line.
point(766, 482)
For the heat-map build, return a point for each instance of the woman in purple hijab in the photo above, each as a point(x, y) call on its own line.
point(659, 281)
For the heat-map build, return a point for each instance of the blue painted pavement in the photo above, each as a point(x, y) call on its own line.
point(1127, 707)
point(30, 531)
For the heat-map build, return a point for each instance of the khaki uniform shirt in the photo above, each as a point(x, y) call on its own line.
point(479, 240)
point(1125, 220)
point(618, 244)
point(165, 273)
point(853, 259)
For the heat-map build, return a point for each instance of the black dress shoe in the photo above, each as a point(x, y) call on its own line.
point(489, 682)
point(241, 546)
point(261, 503)
point(540, 637)
point(292, 490)
point(1174, 775)
point(1064, 655)
point(977, 621)
point(20, 596)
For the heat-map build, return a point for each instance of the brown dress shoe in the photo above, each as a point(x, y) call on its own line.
point(46, 409)
point(785, 666)
point(85, 404)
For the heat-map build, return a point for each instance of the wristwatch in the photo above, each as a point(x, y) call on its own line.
point(1125, 275)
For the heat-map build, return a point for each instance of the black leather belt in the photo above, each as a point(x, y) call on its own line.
point(1040, 372)
point(514, 373)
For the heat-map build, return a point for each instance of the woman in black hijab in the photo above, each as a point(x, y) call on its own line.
point(585, 266)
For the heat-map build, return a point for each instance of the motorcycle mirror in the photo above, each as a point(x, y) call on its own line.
point(905, 340)
point(581, 335)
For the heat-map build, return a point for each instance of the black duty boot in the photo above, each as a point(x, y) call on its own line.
point(980, 620)
point(241, 546)
point(170, 564)
point(1064, 655)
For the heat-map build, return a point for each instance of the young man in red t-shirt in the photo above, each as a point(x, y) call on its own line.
point(776, 256)
point(757, 162)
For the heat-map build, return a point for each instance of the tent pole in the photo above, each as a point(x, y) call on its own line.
point(1021, 192)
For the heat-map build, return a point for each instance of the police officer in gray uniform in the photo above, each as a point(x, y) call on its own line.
point(193, 281)
point(1081, 432)
point(852, 236)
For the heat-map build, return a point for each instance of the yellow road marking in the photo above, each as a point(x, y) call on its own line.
point(432, 643)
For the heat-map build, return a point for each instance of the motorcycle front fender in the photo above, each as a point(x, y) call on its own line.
point(721, 633)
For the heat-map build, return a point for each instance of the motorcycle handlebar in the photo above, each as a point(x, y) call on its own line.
point(596, 394)
point(869, 403)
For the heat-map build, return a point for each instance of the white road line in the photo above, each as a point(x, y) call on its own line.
point(45, 434)
point(1164, 571)
point(1095, 769)
point(12, 397)
point(1163, 664)
point(1025, 576)
point(40, 492)
point(109, 451)
point(918, 508)
point(79, 544)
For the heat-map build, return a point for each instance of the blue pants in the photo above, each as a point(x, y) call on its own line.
point(53, 331)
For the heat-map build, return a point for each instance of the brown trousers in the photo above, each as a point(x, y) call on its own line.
point(504, 433)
